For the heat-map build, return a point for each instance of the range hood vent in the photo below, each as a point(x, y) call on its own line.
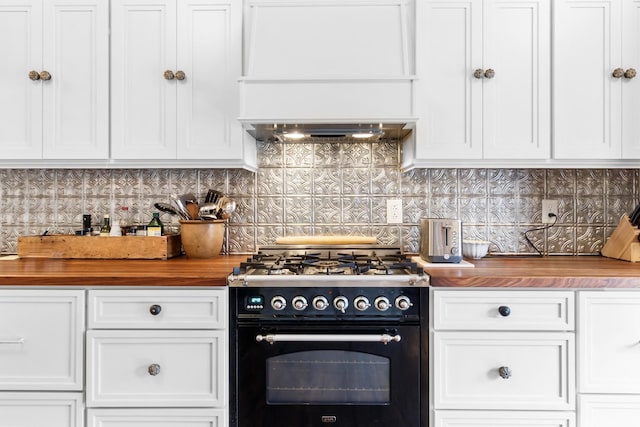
point(341, 131)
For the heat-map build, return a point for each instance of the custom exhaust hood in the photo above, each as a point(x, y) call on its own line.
point(305, 131)
point(328, 69)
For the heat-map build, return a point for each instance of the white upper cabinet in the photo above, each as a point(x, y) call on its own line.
point(484, 81)
point(596, 92)
point(175, 68)
point(328, 60)
point(54, 79)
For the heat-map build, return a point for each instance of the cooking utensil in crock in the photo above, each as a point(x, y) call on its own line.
point(227, 209)
point(167, 208)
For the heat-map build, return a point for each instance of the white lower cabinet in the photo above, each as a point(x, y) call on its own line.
point(156, 418)
point(157, 357)
point(503, 358)
point(30, 409)
point(41, 339)
point(609, 351)
point(597, 410)
point(504, 419)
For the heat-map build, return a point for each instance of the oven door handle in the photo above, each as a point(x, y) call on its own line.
point(273, 338)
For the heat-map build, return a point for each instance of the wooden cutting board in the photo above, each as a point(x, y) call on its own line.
point(326, 240)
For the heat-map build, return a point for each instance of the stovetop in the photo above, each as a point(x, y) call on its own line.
point(301, 265)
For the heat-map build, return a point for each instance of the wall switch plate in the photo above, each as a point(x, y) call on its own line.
point(549, 211)
point(394, 211)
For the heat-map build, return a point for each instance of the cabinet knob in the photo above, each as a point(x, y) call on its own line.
point(490, 73)
point(44, 75)
point(479, 73)
point(617, 73)
point(34, 75)
point(155, 309)
point(504, 372)
point(153, 369)
point(630, 73)
point(168, 75)
point(504, 310)
point(180, 75)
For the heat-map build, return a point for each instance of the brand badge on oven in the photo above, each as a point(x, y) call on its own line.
point(329, 419)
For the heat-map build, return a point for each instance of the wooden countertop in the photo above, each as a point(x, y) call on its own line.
point(179, 271)
point(505, 271)
point(541, 272)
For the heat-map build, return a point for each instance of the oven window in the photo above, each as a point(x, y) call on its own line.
point(328, 377)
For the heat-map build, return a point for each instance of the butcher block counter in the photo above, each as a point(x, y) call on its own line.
point(497, 271)
point(179, 271)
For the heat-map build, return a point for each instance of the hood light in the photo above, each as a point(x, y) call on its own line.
point(362, 135)
point(293, 135)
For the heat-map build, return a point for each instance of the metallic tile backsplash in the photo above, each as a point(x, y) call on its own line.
point(335, 187)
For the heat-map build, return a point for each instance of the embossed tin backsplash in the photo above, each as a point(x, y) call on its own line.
point(336, 187)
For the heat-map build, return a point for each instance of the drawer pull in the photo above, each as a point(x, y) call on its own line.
point(154, 369)
point(504, 372)
point(504, 310)
point(16, 341)
point(155, 309)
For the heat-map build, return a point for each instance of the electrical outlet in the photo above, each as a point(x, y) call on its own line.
point(549, 209)
point(394, 211)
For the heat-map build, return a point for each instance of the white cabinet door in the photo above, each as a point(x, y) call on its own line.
point(21, 99)
point(76, 99)
point(158, 417)
point(596, 92)
point(143, 101)
point(156, 368)
point(608, 352)
point(65, 117)
point(41, 409)
point(504, 370)
point(517, 101)
point(209, 49)
point(631, 85)
point(599, 410)
point(449, 98)
point(41, 339)
point(465, 111)
point(175, 84)
point(504, 419)
point(587, 98)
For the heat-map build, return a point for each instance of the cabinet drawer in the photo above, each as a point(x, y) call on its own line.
point(156, 417)
point(504, 310)
point(41, 409)
point(157, 309)
point(504, 418)
point(156, 368)
point(468, 365)
point(609, 348)
point(41, 339)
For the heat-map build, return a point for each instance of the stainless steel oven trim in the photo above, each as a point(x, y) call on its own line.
point(382, 338)
point(370, 281)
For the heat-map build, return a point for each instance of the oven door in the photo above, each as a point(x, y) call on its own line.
point(304, 376)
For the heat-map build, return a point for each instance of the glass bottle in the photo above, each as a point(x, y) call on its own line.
point(125, 221)
point(105, 228)
point(155, 227)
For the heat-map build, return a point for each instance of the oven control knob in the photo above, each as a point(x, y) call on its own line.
point(320, 303)
point(278, 303)
point(341, 303)
point(299, 302)
point(382, 303)
point(403, 302)
point(361, 303)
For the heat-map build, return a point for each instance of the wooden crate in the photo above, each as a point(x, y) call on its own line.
point(96, 247)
